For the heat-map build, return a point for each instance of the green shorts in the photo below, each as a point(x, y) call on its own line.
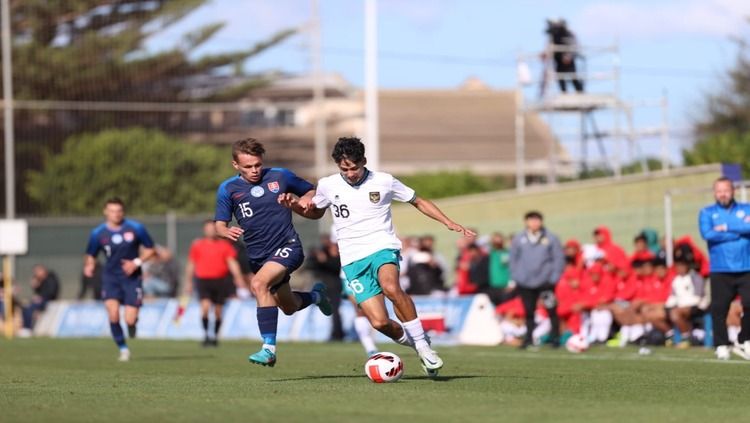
point(362, 275)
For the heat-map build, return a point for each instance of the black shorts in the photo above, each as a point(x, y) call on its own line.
point(216, 290)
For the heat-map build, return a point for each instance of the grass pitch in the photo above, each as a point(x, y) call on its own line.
point(81, 381)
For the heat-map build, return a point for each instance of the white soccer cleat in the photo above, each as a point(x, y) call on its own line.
point(742, 350)
point(722, 352)
point(431, 362)
point(124, 355)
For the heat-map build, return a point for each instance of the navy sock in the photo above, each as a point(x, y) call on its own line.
point(117, 334)
point(205, 325)
point(306, 297)
point(217, 323)
point(268, 319)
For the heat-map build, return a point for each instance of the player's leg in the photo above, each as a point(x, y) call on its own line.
point(529, 298)
point(742, 348)
point(132, 300)
point(218, 314)
point(264, 279)
point(549, 301)
point(205, 305)
point(680, 318)
point(113, 312)
point(388, 279)
point(364, 329)
point(722, 294)
point(377, 314)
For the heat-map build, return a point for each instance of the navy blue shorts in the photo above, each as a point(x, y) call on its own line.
point(291, 256)
point(128, 292)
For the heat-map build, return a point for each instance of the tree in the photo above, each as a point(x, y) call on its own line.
point(150, 171)
point(723, 132)
point(94, 50)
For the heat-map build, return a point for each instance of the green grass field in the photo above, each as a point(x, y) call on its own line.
point(80, 381)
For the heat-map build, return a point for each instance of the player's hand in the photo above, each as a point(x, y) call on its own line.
point(455, 227)
point(88, 270)
point(306, 204)
point(234, 233)
point(128, 266)
point(287, 200)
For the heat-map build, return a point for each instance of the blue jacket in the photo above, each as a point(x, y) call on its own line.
point(729, 250)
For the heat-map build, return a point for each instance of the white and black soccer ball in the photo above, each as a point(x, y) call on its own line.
point(576, 344)
point(384, 367)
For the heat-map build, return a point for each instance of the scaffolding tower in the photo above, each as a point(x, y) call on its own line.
point(601, 95)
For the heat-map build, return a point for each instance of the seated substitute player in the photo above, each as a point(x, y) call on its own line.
point(210, 262)
point(360, 201)
point(273, 245)
point(120, 239)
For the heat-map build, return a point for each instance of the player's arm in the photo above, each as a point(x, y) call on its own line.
point(709, 232)
point(89, 260)
point(236, 271)
point(189, 271)
point(429, 209)
point(147, 251)
point(225, 231)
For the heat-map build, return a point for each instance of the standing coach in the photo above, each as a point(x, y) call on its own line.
point(536, 264)
point(725, 226)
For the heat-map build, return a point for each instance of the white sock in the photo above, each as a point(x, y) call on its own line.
point(364, 332)
point(269, 347)
point(416, 332)
point(636, 332)
point(733, 332)
point(601, 321)
point(624, 335)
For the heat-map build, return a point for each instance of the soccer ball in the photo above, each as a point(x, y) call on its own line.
point(384, 367)
point(576, 344)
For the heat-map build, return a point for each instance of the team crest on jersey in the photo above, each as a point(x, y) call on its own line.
point(117, 239)
point(273, 187)
point(257, 192)
point(128, 236)
point(740, 213)
point(375, 197)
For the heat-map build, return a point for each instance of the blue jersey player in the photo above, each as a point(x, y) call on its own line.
point(126, 245)
point(274, 250)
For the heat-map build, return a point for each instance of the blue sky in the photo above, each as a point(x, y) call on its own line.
point(672, 46)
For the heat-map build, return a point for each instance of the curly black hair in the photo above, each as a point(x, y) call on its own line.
point(349, 148)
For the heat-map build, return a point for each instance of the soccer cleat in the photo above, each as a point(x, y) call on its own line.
point(742, 350)
point(124, 355)
point(323, 304)
point(722, 352)
point(430, 360)
point(263, 357)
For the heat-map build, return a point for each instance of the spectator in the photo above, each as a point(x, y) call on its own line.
point(601, 293)
point(652, 239)
point(513, 326)
point(725, 226)
point(499, 262)
point(685, 247)
point(479, 275)
point(464, 286)
point(160, 274)
point(93, 283)
point(688, 300)
point(409, 246)
point(613, 254)
point(641, 250)
point(536, 264)
point(624, 309)
point(211, 262)
point(325, 264)
point(563, 45)
point(46, 287)
point(425, 273)
point(427, 243)
point(573, 254)
point(572, 299)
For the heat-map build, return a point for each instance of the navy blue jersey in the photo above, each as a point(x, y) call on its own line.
point(267, 224)
point(118, 245)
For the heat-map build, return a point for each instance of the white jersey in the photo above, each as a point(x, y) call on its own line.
point(362, 212)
